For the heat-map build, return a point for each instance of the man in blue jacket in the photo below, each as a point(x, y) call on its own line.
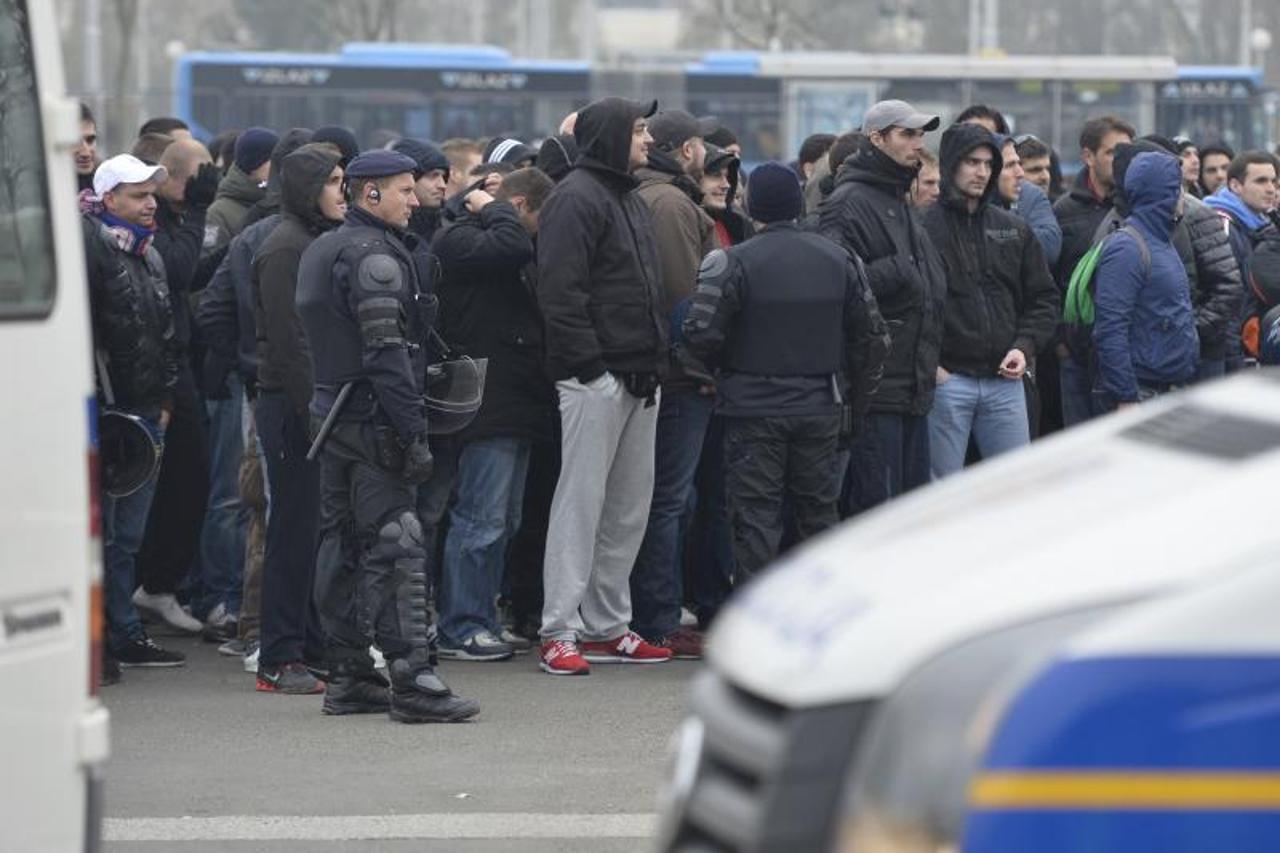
point(1144, 328)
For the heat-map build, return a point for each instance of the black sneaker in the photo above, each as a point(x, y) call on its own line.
point(427, 699)
point(290, 678)
point(144, 652)
point(356, 693)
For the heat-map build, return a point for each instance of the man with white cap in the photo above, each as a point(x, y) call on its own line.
point(868, 213)
point(137, 361)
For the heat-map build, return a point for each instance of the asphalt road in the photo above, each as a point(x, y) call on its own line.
point(201, 762)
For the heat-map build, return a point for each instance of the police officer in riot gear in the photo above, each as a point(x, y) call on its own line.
point(366, 313)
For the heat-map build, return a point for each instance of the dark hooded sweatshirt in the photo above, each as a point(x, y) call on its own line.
point(284, 358)
point(867, 213)
point(1000, 293)
point(599, 275)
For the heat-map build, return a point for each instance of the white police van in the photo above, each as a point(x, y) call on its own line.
point(53, 730)
point(850, 690)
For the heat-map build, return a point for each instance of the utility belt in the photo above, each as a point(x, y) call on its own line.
point(361, 404)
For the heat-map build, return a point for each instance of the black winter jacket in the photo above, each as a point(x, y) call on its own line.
point(599, 279)
point(488, 309)
point(284, 358)
point(868, 215)
point(1079, 212)
point(179, 237)
point(1000, 293)
point(132, 321)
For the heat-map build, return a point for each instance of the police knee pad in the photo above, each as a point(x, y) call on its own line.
point(402, 537)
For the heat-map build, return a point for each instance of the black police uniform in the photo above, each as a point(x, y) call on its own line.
point(366, 317)
point(799, 343)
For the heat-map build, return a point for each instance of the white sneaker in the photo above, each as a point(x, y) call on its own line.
point(251, 659)
point(379, 662)
point(218, 617)
point(165, 607)
point(515, 641)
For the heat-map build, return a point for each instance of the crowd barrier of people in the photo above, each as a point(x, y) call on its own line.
point(686, 369)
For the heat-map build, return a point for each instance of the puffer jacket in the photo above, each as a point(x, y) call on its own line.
point(1000, 293)
point(1144, 328)
point(132, 319)
point(868, 215)
point(599, 272)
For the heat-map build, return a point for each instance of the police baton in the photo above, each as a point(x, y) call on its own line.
point(329, 420)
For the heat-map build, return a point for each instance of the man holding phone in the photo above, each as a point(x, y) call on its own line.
point(1001, 308)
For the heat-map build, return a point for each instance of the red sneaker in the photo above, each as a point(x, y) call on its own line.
point(629, 648)
point(561, 657)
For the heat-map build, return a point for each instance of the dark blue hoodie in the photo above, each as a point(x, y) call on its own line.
point(1144, 328)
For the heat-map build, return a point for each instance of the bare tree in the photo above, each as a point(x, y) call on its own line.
point(365, 20)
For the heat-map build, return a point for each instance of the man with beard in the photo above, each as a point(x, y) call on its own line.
point(431, 178)
point(685, 234)
point(869, 214)
point(311, 204)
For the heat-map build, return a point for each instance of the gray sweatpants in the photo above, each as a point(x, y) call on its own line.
point(600, 509)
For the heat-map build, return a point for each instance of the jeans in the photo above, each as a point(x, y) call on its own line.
point(490, 496)
point(683, 417)
point(1077, 392)
point(124, 520)
point(290, 630)
point(222, 539)
point(888, 457)
point(775, 460)
point(991, 409)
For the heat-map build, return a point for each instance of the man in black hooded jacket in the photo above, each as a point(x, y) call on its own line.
point(311, 203)
point(869, 215)
point(1001, 308)
point(600, 290)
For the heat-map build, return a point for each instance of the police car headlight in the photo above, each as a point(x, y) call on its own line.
point(909, 783)
point(684, 752)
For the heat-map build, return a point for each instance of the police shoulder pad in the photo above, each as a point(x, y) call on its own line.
point(380, 272)
point(714, 264)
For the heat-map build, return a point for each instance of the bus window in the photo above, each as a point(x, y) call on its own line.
point(27, 272)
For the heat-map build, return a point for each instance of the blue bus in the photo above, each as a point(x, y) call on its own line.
point(772, 101)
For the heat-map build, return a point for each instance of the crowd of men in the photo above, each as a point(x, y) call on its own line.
point(678, 383)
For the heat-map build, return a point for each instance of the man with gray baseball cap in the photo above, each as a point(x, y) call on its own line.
point(869, 215)
point(887, 114)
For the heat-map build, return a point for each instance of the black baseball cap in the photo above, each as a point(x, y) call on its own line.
point(672, 128)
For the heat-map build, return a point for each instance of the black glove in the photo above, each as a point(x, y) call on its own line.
point(643, 386)
point(418, 463)
point(202, 187)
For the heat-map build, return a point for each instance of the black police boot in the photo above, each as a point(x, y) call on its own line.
point(420, 696)
point(356, 691)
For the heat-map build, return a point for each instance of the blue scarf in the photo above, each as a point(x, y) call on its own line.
point(1227, 201)
point(131, 238)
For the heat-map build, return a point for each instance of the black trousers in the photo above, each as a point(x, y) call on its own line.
point(772, 460)
point(290, 629)
point(172, 540)
point(371, 569)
